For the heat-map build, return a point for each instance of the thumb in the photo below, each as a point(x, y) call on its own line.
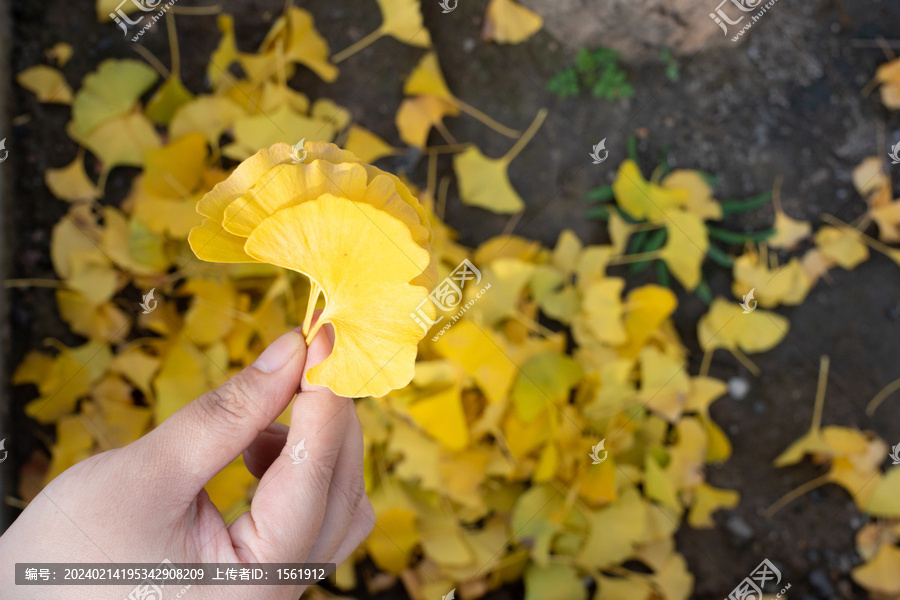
point(207, 434)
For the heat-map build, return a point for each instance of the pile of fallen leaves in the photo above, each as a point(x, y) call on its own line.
point(517, 451)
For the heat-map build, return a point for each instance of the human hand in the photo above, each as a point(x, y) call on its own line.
point(146, 503)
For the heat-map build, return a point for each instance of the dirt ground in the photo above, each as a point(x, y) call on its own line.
point(787, 101)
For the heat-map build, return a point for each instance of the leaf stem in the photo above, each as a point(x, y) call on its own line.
point(633, 258)
point(474, 112)
point(526, 137)
point(314, 291)
point(796, 493)
point(744, 360)
point(881, 396)
point(824, 365)
point(47, 283)
point(354, 48)
point(173, 45)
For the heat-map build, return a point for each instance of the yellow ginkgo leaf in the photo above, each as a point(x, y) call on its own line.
point(104, 321)
point(78, 258)
point(136, 366)
point(707, 500)
point(657, 486)
point(210, 241)
point(506, 246)
point(121, 141)
point(842, 246)
point(685, 248)
point(481, 354)
point(664, 383)
point(71, 183)
point(888, 75)
point(674, 579)
point(176, 169)
point(427, 80)
point(613, 588)
point(787, 284)
point(879, 575)
point(648, 307)
point(60, 52)
point(373, 351)
point(544, 381)
point(211, 312)
point(603, 310)
point(225, 54)
point(507, 278)
point(726, 326)
point(366, 145)
point(209, 115)
point(275, 96)
point(400, 19)
point(484, 181)
point(697, 194)
point(180, 378)
point(261, 131)
point(331, 112)
point(641, 199)
point(416, 117)
point(883, 500)
point(553, 582)
point(166, 101)
point(62, 381)
point(508, 22)
point(229, 490)
point(305, 45)
point(74, 443)
point(887, 217)
point(788, 231)
point(289, 185)
point(614, 531)
point(441, 415)
point(109, 92)
point(47, 83)
point(393, 539)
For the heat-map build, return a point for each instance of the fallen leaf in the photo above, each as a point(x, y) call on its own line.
point(47, 83)
point(508, 22)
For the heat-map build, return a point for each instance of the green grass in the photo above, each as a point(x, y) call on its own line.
point(597, 71)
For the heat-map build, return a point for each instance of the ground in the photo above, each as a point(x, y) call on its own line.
point(787, 101)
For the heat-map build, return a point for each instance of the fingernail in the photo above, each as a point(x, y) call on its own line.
point(279, 353)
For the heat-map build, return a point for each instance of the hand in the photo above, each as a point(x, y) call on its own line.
point(146, 503)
